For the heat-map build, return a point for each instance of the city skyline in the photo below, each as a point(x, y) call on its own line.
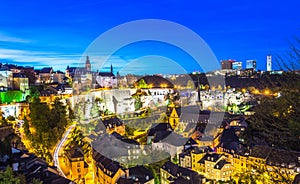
point(156, 92)
point(56, 34)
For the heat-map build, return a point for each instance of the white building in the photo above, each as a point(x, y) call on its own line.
point(107, 79)
point(6, 79)
point(269, 63)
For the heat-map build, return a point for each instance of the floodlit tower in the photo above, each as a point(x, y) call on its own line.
point(269, 63)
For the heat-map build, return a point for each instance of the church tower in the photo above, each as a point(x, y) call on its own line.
point(111, 69)
point(88, 64)
point(174, 115)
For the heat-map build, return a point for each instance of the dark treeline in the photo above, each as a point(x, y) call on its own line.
point(271, 81)
point(259, 81)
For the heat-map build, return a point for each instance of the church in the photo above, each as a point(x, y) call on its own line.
point(84, 79)
point(76, 72)
point(107, 79)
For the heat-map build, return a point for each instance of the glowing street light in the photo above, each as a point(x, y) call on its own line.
point(267, 92)
point(163, 85)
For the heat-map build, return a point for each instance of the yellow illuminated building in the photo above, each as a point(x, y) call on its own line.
point(197, 155)
point(106, 171)
point(75, 161)
point(267, 163)
point(174, 116)
point(214, 166)
point(172, 173)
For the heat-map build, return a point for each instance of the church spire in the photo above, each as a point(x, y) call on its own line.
point(111, 68)
point(87, 64)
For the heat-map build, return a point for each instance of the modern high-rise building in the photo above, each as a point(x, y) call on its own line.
point(251, 64)
point(269, 63)
point(237, 65)
point(227, 64)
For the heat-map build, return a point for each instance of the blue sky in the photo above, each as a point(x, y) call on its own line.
point(57, 33)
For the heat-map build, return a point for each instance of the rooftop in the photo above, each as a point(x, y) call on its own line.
point(155, 82)
point(75, 152)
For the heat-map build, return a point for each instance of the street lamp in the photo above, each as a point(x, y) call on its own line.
point(267, 92)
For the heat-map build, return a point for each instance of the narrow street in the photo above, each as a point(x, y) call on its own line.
point(59, 148)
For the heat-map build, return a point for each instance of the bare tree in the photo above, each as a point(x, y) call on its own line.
point(290, 61)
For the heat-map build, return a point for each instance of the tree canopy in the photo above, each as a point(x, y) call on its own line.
point(277, 118)
point(8, 177)
point(290, 60)
point(45, 126)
